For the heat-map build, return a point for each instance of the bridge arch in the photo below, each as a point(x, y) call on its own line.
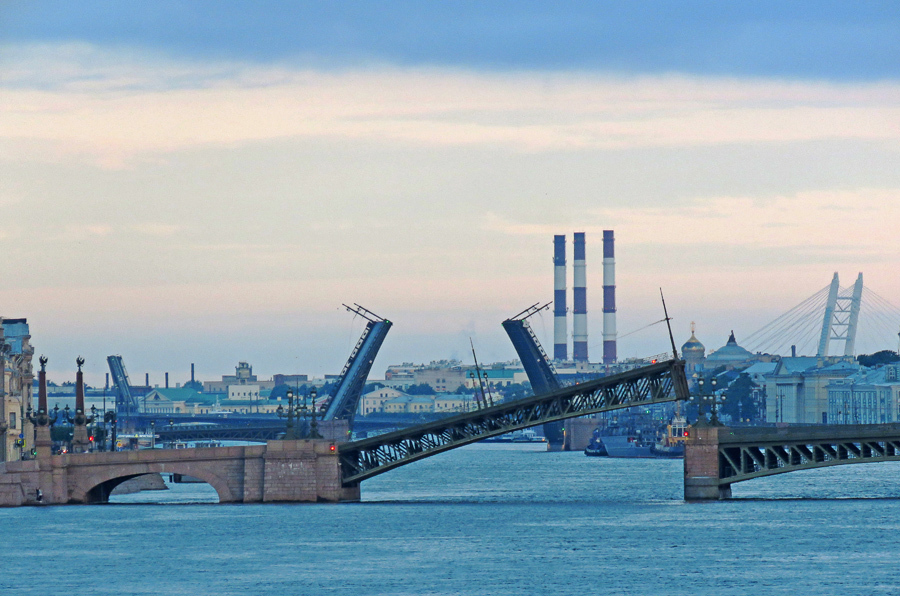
point(96, 486)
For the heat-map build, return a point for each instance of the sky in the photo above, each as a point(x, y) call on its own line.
point(209, 182)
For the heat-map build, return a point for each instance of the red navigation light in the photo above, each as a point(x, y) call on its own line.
point(653, 361)
point(686, 434)
point(332, 447)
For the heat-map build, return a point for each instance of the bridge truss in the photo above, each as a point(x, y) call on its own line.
point(657, 383)
point(745, 454)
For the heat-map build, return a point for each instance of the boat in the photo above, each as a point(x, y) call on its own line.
point(641, 439)
point(672, 443)
point(595, 447)
point(634, 444)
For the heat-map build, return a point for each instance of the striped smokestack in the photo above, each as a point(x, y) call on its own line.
point(560, 339)
point(579, 295)
point(609, 297)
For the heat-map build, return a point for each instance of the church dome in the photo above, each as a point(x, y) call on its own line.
point(693, 347)
point(730, 353)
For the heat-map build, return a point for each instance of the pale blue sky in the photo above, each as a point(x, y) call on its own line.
point(834, 40)
point(207, 181)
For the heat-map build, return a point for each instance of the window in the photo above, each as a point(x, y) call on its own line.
point(12, 419)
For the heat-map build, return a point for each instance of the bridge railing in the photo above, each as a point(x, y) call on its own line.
point(750, 453)
point(657, 383)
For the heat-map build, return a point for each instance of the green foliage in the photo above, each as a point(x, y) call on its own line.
point(882, 357)
point(420, 389)
point(739, 399)
point(517, 391)
point(195, 385)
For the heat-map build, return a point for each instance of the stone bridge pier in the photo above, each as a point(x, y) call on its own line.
point(701, 465)
point(279, 471)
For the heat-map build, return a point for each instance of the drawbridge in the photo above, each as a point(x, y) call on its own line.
point(657, 383)
point(342, 405)
point(345, 399)
point(127, 406)
point(538, 367)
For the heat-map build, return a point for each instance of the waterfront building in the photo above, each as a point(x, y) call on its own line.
point(373, 401)
point(248, 392)
point(454, 402)
point(445, 376)
point(16, 390)
point(796, 392)
point(243, 375)
point(870, 396)
point(168, 400)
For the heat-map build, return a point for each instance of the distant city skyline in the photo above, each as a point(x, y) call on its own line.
point(208, 182)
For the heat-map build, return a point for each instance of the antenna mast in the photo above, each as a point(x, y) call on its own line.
point(669, 325)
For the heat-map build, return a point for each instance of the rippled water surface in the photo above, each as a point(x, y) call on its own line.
point(486, 519)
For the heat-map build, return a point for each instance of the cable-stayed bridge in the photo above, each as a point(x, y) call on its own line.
point(836, 320)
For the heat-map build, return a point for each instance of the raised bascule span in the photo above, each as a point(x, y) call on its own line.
point(126, 404)
point(345, 400)
point(538, 366)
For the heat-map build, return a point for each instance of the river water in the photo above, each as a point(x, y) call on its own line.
point(486, 519)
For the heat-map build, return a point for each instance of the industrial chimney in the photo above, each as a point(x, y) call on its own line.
point(609, 297)
point(560, 338)
point(579, 295)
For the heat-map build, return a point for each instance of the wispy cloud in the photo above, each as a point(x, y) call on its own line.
point(114, 108)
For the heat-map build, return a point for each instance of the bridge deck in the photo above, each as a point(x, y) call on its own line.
point(747, 453)
point(657, 383)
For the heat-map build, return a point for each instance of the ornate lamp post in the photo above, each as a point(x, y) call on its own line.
point(110, 420)
point(4, 418)
point(289, 413)
point(296, 410)
point(709, 398)
point(43, 420)
point(313, 425)
point(80, 442)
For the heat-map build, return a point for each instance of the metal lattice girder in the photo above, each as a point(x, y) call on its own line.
point(662, 382)
point(750, 453)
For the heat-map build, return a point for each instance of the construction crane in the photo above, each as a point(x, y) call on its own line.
point(349, 387)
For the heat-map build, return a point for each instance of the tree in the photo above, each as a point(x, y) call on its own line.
point(372, 387)
point(882, 357)
point(420, 389)
point(517, 391)
point(739, 399)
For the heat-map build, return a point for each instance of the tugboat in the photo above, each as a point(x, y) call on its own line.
point(595, 447)
point(672, 443)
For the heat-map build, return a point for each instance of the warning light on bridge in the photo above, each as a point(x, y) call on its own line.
point(332, 447)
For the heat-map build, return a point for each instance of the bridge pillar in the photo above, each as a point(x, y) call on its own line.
point(304, 470)
point(701, 465)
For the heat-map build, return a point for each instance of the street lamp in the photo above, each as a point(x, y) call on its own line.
point(314, 425)
point(289, 413)
point(710, 398)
